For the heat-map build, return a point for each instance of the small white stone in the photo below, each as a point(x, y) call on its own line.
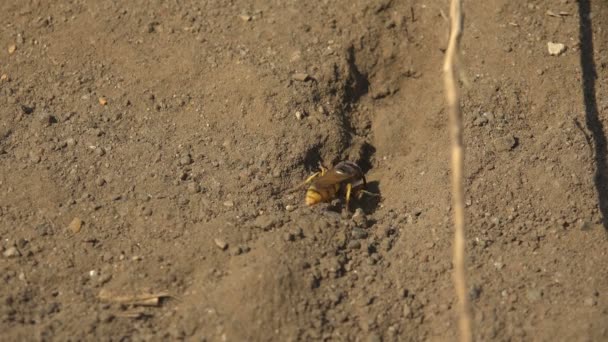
point(556, 49)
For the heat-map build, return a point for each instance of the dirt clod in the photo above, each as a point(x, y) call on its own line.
point(505, 143)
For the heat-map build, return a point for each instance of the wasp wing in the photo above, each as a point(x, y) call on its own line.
point(331, 178)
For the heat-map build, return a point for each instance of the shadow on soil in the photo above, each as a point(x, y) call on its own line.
point(594, 125)
point(369, 203)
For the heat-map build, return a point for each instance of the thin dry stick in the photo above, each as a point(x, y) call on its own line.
point(455, 119)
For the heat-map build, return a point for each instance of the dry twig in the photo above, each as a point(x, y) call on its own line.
point(455, 120)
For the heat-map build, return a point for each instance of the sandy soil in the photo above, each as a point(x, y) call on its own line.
point(148, 148)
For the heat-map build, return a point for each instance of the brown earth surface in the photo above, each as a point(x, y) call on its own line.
point(175, 129)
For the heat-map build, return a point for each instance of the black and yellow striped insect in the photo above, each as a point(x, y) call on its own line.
point(346, 178)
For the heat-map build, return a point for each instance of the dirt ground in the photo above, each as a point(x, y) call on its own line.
point(149, 148)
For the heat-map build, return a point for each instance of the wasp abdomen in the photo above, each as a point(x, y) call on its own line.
point(316, 195)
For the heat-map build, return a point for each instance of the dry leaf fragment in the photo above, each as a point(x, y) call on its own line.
point(134, 313)
point(140, 299)
point(557, 15)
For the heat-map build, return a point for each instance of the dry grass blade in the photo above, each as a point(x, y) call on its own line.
point(455, 121)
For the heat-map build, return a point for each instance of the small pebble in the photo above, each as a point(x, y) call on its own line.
point(590, 301)
point(300, 76)
point(236, 251)
point(359, 218)
point(100, 181)
point(299, 115)
point(556, 49)
point(103, 101)
point(264, 222)
point(221, 244)
point(297, 232)
point(340, 239)
point(194, 188)
point(475, 292)
point(290, 207)
point(480, 121)
point(534, 295)
point(147, 211)
point(43, 229)
point(229, 204)
point(186, 159)
point(374, 337)
point(354, 245)
point(289, 236)
point(46, 119)
point(27, 109)
point(104, 278)
point(11, 252)
point(358, 233)
point(245, 17)
point(407, 311)
point(583, 225)
point(70, 142)
point(35, 158)
point(106, 317)
point(12, 48)
point(75, 225)
point(100, 151)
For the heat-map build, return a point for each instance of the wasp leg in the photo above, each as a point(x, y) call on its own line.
point(323, 169)
point(361, 192)
point(349, 188)
point(308, 180)
point(373, 194)
point(313, 176)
